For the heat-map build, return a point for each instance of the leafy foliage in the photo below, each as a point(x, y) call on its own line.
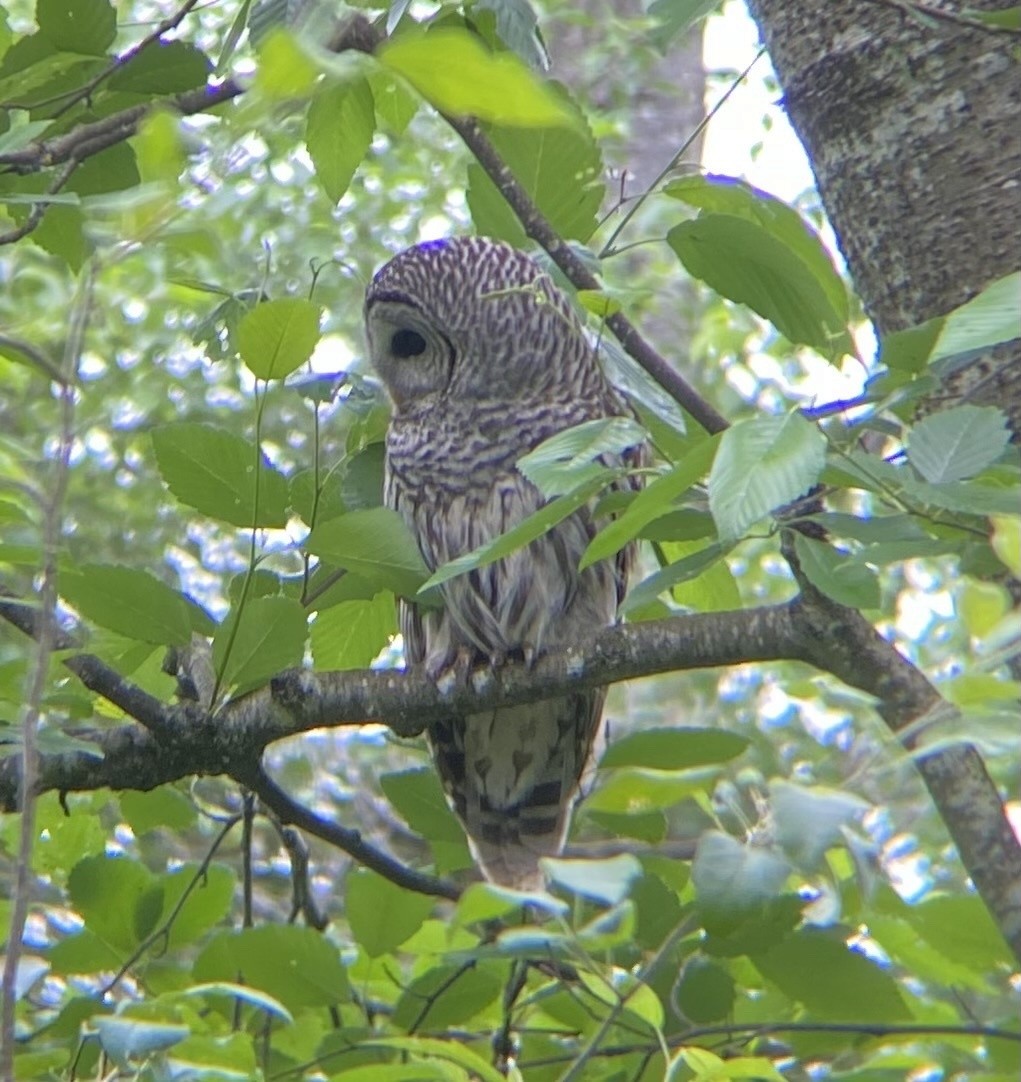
point(201, 273)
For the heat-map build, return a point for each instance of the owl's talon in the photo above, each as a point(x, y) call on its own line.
point(449, 674)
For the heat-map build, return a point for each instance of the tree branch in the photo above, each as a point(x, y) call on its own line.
point(350, 841)
point(183, 740)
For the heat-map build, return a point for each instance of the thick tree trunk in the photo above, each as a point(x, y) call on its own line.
point(911, 126)
point(912, 130)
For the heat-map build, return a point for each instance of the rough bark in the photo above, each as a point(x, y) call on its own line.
point(911, 128)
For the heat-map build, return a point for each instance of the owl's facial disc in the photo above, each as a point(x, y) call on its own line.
point(412, 358)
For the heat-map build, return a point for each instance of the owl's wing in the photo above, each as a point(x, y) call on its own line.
point(511, 774)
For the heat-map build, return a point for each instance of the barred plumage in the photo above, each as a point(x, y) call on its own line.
point(484, 358)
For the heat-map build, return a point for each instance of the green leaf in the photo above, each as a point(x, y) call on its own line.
point(242, 993)
point(285, 69)
point(981, 605)
point(162, 807)
point(350, 635)
point(706, 991)
point(673, 17)
point(960, 926)
point(455, 72)
point(854, 987)
point(904, 945)
point(611, 929)
point(762, 464)
point(447, 995)
point(376, 544)
point(216, 1058)
point(674, 749)
point(654, 501)
point(125, 1038)
point(341, 123)
point(733, 880)
point(647, 826)
point(964, 496)
point(639, 999)
point(667, 578)
point(1006, 17)
point(537, 524)
point(210, 892)
point(748, 264)
point(64, 839)
point(418, 798)
point(705, 1066)
point(837, 574)
point(571, 457)
point(77, 26)
point(635, 791)
point(957, 443)
point(85, 952)
point(276, 337)
point(483, 902)
point(416, 1071)
point(517, 25)
point(381, 914)
point(162, 67)
point(895, 528)
point(114, 170)
point(433, 1048)
point(1006, 542)
point(714, 589)
point(61, 234)
point(969, 497)
point(598, 302)
point(130, 601)
point(215, 471)
point(106, 891)
point(728, 195)
point(607, 881)
point(395, 105)
point(809, 820)
point(984, 321)
point(297, 966)
point(909, 350)
point(659, 910)
point(264, 638)
point(540, 159)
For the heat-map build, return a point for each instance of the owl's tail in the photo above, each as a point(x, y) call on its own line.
point(512, 776)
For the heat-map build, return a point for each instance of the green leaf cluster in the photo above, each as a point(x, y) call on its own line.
point(741, 862)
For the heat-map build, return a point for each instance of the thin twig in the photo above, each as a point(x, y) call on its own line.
point(48, 367)
point(35, 215)
point(163, 931)
point(750, 1030)
point(172, 22)
point(44, 643)
point(608, 249)
point(575, 1071)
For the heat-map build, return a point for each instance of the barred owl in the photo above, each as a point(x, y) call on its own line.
point(483, 359)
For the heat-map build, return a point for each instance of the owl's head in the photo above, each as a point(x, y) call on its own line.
point(471, 318)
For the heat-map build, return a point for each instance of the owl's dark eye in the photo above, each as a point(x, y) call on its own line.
point(405, 343)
